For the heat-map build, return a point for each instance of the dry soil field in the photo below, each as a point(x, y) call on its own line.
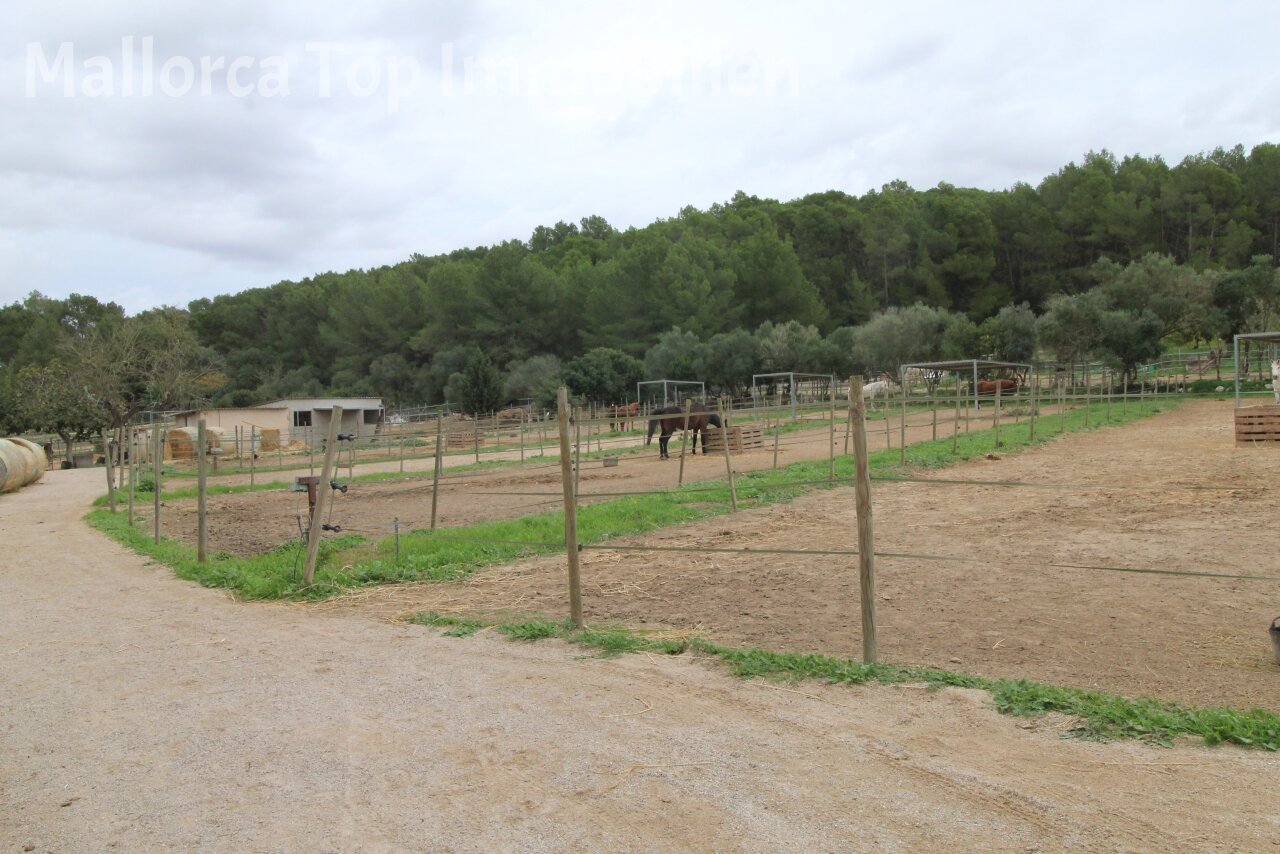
point(1130, 503)
point(143, 713)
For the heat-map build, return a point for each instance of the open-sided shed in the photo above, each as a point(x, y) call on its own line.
point(670, 391)
point(1258, 424)
point(795, 383)
point(967, 367)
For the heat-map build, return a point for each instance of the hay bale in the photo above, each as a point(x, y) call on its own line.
point(180, 442)
point(10, 460)
point(39, 461)
point(268, 438)
point(22, 463)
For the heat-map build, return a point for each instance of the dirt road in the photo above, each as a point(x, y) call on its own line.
point(141, 713)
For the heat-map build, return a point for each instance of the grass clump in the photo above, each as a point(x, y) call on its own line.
point(457, 627)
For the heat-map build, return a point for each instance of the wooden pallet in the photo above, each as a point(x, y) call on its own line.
point(740, 439)
point(461, 440)
point(1258, 425)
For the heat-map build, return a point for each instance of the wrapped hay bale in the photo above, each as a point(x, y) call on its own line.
point(23, 463)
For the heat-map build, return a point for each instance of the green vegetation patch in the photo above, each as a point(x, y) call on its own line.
point(1099, 716)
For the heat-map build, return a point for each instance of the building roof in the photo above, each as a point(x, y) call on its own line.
point(327, 402)
point(966, 364)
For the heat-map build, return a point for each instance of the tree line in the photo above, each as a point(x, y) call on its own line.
point(1106, 258)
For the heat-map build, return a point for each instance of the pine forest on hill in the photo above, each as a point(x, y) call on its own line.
point(1110, 258)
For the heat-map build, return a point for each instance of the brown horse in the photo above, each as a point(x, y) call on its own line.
point(620, 417)
point(673, 420)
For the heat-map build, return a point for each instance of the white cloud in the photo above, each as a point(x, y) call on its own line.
point(523, 115)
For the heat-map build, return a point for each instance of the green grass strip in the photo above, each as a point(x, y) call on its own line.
point(1100, 716)
point(457, 552)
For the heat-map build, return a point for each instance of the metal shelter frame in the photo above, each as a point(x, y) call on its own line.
point(1272, 338)
point(957, 365)
point(791, 384)
point(702, 388)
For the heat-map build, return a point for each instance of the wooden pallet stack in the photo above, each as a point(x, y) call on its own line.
point(1258, 425)
point(740, 439)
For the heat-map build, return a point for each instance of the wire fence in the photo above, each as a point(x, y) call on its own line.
point(908, 418)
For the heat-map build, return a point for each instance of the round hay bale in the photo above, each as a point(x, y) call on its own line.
point(21, 463)
point(4, 465)
point(39, 460)
point(181, 442)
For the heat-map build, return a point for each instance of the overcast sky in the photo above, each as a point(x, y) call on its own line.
point(156, 152)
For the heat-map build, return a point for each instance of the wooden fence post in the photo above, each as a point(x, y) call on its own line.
point(202, 490)
point(866, 531)
point(1035, 387)
point(1062, 409)
point(570, 509)
point(322, 497)
point(577, 448)
point(777, 431)
point(684, 439)
point(157, 469)
point(133, 468)
point(955, 428)
point(111, 471)
point(996, 421)
point(435, 480)
point(728, 464)
point(253, 455)
point(902, 427)
point(831, 438)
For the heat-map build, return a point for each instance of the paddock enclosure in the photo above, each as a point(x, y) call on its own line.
point(1019, 576)
point(1169, 492)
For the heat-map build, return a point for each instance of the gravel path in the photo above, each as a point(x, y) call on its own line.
point(142, 713)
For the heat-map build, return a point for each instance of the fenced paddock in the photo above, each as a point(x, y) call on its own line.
point(1002, 579)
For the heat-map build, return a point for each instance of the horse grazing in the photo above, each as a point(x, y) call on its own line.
point(620, 417)
point(673, 420)
point(991, 388)
point(879, 388)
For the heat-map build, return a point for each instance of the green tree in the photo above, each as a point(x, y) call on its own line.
point(603, 375)
point(1011, 334)
point(728, 361)
point(51, 398)
point(535, 379)
point(677, 355)
point(151, 360)
point(783, 346)
point(480, 389)
point(1071, 326)
point(1128, 339)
